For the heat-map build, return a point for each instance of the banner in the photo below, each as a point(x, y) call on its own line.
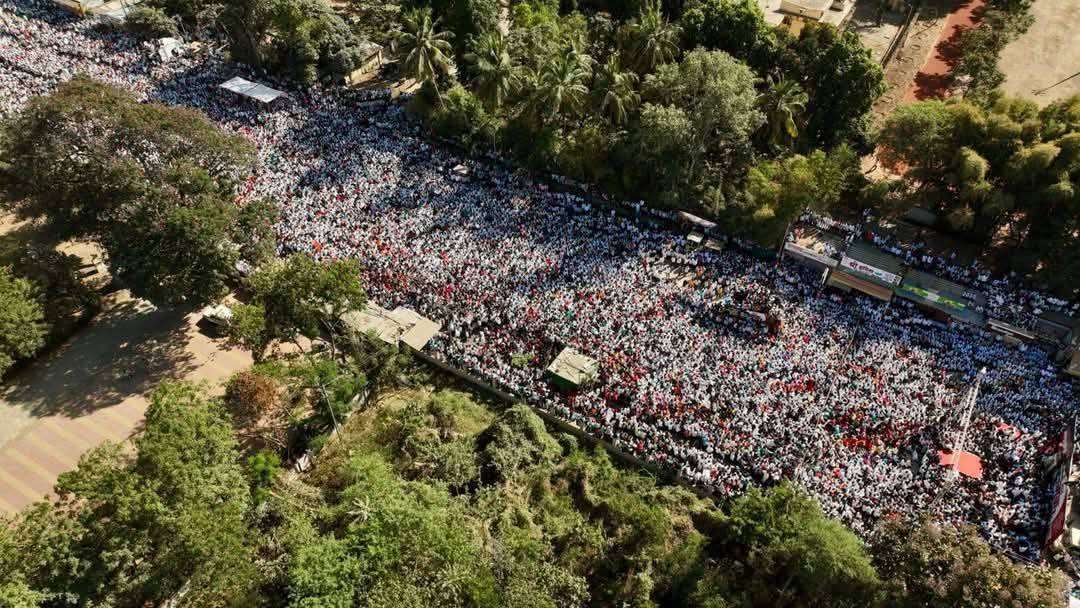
point(934, 297)
point(857, 266)
point(1061, 469)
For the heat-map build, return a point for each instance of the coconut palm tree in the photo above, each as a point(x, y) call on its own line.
point(559, 87)
point(783, 103)
point(652, 40)
point(614, 90)
point(496, 75)
point(427, 51)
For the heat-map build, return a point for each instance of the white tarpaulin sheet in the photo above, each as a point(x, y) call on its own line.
point(253, 90)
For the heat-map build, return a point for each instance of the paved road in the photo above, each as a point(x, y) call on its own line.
point(91, 390)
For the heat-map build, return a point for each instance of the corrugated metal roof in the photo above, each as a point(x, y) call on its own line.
point(392, 326)
point(868, 253)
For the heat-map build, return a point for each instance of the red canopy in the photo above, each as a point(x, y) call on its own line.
point(967, 463)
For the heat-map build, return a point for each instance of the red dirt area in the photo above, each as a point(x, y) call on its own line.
point(932, 82)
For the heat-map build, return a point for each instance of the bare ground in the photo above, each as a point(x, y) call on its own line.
point(1045, 54)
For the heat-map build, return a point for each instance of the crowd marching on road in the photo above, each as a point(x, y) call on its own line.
point(850, 398)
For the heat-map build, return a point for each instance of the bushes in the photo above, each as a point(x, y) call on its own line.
point(462, 116)
point(250, 396)
point(22, 327)
point(148, 22)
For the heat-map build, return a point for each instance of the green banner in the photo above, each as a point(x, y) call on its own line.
point(933, 296)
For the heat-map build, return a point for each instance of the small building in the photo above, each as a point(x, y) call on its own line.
point(259, 93)
point(571, 369)
point(943, 299)
point(371, 61)
point(809, 9)
point(815, 248)
point(868, 269)
point(394, 327)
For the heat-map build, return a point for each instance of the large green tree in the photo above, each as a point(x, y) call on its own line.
point(559, 89)
point(153, 184)
point(783, 103)
point(927, 565)
point(496, 76)
point(294, 297)
point(169, 521)
point(778, 191)
point(1007, 164)
point(426, 52)
point(798, 556)
point(842, 79)
point(734, 26)
point(615, 91)
point(716, 92)
point(651, 40)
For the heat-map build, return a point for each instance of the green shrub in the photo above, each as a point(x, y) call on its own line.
point(148, 22)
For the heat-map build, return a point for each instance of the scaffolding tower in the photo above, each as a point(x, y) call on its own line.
point(967, 408)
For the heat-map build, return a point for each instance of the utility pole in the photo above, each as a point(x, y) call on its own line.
point(1062, 81)
point(967, 409)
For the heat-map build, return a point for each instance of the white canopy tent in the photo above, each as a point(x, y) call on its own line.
point(252, 90)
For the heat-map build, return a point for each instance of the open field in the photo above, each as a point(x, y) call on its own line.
point(1047, 53)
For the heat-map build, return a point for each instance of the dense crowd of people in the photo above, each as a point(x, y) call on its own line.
point(1008, 298)
point(850, 398)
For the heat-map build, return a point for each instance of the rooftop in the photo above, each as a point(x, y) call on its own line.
point(574, 368)
point(401, 325)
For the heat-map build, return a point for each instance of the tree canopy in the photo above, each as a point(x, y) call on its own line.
point(1008, 165)
point(296, 296)
point(168, 521)
point(930, 566)
point(430, 497)
point(162, 174)
point(22, 327)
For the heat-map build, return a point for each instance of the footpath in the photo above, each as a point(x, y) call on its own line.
point(92, 389)
point(932, 81)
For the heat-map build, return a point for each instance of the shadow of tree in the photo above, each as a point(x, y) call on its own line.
point(936, 78)
point(127, 351)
